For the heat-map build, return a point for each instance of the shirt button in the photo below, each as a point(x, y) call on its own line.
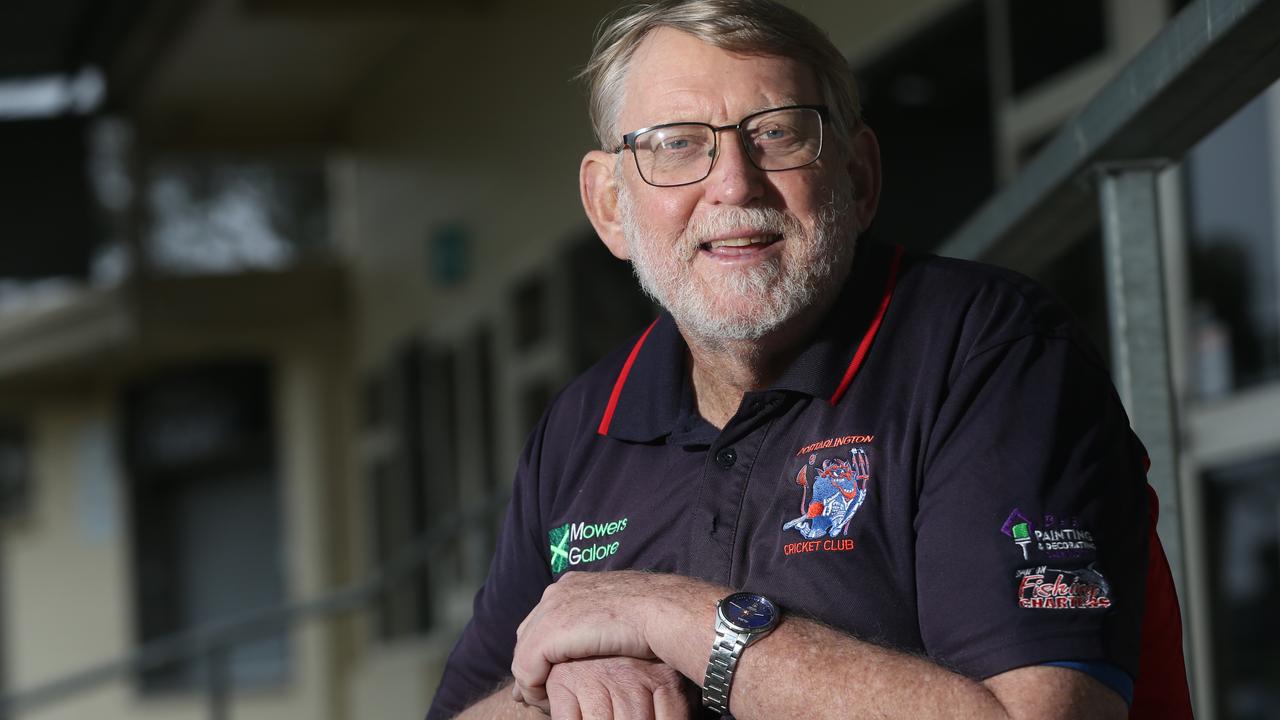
point(727, 457)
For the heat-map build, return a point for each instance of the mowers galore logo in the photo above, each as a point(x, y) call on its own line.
point(565, 553)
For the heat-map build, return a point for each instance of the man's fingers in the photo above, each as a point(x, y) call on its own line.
point(564, 704)
point(633, 705)
point(671, 704)
point(535, 696)
point(530, 671)
point(593, 702)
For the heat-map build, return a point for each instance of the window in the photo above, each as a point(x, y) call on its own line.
point(222, 216)
point(49, 225)
point(1048, 37)
point(14, 467)
point(200, 454)
point(929, 102)
point(1232, 226)
point(1243, 503)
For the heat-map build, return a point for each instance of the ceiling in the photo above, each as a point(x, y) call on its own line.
point(45, 37)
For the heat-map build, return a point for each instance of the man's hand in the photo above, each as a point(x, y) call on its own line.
point(618, 688)
point(583, 615)
point(670, 618)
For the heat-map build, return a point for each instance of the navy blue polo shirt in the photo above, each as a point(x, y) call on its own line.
point(945, 469)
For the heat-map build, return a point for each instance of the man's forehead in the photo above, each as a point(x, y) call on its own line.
point(676, 76)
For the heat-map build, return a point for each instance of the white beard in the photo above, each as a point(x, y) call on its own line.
point(751, 302)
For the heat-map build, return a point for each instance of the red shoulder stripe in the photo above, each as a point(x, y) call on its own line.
point(622, 380)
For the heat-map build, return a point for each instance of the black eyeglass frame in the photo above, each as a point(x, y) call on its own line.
point(628, 140)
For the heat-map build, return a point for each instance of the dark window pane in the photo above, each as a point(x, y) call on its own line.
point(1244, 509)
point(400, 489)
point(606, 302)
point(928, 101)
point(1232, 220)
point(529, 308)
point(1049, 36)
point(44, 199)
point(15, 467)
point(206, 519)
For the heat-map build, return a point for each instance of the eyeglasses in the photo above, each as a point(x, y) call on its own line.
point(683, 153)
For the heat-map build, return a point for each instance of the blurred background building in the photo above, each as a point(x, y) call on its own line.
point(283, 283)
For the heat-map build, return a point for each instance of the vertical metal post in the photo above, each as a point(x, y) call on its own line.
point(1139, 338)
point(218, 679)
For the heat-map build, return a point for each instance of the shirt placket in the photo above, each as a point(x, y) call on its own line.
point(728, 469)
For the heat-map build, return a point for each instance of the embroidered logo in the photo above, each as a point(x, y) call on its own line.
point(1056, 537)
point(565, 553)
point(1048, 588)
point(830, 496)
point(1018, 527)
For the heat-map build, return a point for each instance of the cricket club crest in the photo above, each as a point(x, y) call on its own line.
point(838, 489)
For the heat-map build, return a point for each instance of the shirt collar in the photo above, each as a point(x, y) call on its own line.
point(651, 396)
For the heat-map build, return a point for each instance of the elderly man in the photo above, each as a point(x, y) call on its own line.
point(832, 479)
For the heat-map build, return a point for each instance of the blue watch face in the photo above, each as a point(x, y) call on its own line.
point(749, 611)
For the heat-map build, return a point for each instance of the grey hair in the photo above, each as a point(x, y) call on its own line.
point(752, 27)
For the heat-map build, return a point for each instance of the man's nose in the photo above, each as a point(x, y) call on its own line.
point(734, 179)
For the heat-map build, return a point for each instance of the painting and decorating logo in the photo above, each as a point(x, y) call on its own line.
point(565, 553)
point(1057, 537)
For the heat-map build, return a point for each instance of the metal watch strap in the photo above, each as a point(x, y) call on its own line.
point(725, 652)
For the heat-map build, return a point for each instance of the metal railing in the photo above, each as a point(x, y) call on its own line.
point(214, 643)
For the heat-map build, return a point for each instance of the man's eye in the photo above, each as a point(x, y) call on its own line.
point(678, 145)
point(775, 134)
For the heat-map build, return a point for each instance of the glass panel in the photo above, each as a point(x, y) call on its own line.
point(216, 216)
point(1231, 190)
point(1047, 38)
point(208, 544)
point(1244, 530)
point(946, 166)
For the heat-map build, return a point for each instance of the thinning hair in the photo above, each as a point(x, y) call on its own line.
point(749, 27)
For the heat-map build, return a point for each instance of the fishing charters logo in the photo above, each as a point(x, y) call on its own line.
point(1046, 588)
point(839, 487)
point(566, 552)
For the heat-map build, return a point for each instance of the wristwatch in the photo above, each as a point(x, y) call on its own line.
point(741, 619)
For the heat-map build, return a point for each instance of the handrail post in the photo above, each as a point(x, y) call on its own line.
point(1129, 203)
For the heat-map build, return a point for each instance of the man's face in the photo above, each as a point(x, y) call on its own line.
point(742, 252)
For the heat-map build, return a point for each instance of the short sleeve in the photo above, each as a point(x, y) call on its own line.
point(518, 574)
point(1031, 523)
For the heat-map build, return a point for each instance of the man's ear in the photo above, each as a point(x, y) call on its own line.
point(600, 199)
point(864, 168)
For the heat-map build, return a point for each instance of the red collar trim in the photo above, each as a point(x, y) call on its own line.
point(865, 346)
point(622, 380)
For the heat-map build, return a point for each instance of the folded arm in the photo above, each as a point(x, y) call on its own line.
point(670, 618)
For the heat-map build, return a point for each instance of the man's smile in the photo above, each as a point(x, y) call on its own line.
point(739, 246)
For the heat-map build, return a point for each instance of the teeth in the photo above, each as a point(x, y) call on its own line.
point(738, 242)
